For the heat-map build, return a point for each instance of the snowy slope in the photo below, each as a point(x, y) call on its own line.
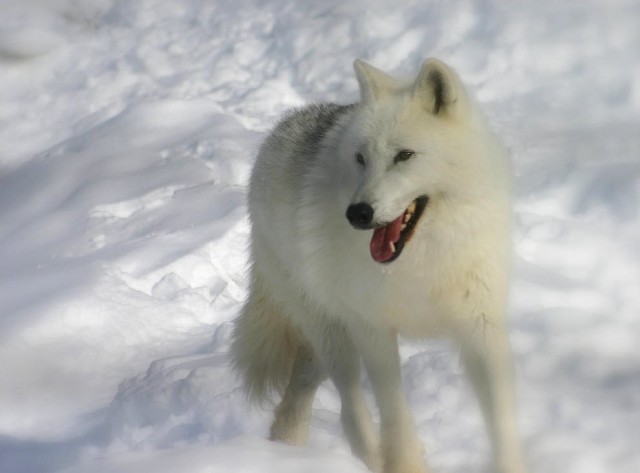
point(127, 132)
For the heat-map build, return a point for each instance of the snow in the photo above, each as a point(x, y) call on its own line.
point(127, 133)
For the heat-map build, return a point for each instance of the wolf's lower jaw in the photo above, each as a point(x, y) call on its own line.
point(385, 246)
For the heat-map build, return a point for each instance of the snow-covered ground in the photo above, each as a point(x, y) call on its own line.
point(127, 132)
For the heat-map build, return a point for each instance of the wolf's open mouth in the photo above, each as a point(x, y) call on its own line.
point(388, 241)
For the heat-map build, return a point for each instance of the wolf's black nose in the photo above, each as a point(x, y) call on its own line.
point(360, 215)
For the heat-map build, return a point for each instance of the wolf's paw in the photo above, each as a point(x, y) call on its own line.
point(407, 469)
point(287, 432)
point(405, 465)
point(374, 463)
point(513, 465)
point(404, 456)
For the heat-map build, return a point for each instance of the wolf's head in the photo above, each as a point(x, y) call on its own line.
point(412, 144)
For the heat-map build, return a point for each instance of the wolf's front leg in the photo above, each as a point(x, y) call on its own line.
point(487, 357)
point(340, 357)
point(401, 447)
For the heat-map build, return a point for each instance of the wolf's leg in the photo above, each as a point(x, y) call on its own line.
point(401, 447)
point(487, 357)
point(339, 357)
point(291, 424)
point(343, 363)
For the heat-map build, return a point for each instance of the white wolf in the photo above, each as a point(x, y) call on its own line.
point(384, 218)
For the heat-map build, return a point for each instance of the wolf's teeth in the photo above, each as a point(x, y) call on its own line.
point(392, 245)
point(404, 225)
point(407, 217)
point(412, 207)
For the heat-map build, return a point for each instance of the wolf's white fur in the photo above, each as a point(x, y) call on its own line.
point(319, 303)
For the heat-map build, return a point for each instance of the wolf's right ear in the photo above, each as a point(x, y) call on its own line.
point(374, 84)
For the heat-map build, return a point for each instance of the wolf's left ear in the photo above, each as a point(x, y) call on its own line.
point(374, 84)
point(438, 87)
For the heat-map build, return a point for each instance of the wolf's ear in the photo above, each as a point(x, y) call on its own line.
point(374, 84)
point(438, 87)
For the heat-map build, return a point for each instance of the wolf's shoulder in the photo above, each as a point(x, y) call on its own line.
point(305, 127)
point(318, 117)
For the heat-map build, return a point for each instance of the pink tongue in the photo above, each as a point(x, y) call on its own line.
point(380, 245)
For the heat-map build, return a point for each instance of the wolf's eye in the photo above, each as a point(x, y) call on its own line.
point(360, 159)
point(403, 155)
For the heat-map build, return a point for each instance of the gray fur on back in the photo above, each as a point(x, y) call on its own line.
point(302, 130)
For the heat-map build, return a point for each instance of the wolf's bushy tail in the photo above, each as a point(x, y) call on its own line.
point(263, 347)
